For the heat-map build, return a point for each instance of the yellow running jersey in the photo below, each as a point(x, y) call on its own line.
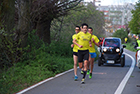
point(75, 48)
point(125, 39)
point(92, 49)
point(83, 39)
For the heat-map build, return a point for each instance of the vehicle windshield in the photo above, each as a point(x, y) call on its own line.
point(111, 43)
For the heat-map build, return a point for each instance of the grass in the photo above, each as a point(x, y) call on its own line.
point(23, 75)
point(130, 46)
point(32, 71)
point(29, 72)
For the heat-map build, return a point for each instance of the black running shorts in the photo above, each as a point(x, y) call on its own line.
point(75, 53)
point(83, 55)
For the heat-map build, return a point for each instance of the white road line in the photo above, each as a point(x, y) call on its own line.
point(118, 91)
point(127, 76)
point(33, 86)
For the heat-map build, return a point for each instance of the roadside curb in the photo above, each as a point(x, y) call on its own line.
point(41, 82)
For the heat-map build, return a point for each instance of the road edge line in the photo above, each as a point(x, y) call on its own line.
point(127, 76)
point(39, 83)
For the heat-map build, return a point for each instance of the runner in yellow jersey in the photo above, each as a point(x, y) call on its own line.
point(137, 45)
point(84, 39)
point(92, 52)
point(75, 52)
point(125, 40)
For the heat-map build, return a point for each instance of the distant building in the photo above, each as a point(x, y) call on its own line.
point(116, 16)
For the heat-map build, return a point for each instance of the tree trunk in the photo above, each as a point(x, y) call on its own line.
point(43, 30)
point(8, 14)
point(23, 21)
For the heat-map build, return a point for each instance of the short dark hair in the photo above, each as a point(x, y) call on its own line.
point(84, 24)
point(90, 28)
point(78, 27)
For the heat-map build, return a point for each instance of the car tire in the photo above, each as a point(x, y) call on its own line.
point(99, 62)
point(123, 61)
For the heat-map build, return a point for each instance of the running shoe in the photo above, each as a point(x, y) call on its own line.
point(82, 72)
point(83, 81)
point(90, 75)
point(88, 72)
point(75, 78)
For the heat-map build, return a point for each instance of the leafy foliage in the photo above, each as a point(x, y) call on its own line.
point(23, 75)
point(93, 18)
point(134, 24)
point(22, 67)
point(130, 46)
point(121, 33)
point(38, 63)
point(9, 48)
point(45, 11)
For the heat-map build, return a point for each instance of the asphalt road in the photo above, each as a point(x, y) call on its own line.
point(106, 79)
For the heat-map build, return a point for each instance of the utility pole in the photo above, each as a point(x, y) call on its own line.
point(94, 1)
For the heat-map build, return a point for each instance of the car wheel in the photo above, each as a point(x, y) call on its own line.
point(123, 61)
point(99, 62)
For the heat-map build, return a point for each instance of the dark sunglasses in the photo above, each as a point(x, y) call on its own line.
point(76, 29)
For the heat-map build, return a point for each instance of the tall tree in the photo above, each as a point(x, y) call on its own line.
point(45, 11)
point(24, 22)
point(87, 14)
point(7, 14)
point(134, 24)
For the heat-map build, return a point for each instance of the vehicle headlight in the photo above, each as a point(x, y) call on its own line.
point(117, 50)
point(104, 49)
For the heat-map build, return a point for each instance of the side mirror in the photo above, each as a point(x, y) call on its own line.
point(124, 46)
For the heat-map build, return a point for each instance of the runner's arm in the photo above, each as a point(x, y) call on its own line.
point(97, 44)
point(72, 45)
point(74, 41)
point(90, 43)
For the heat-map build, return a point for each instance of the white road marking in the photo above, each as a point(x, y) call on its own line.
point(33, 86)
point(118, 91)
point(127, 76)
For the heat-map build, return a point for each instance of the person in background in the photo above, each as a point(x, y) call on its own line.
point(75, 52)
point(125, 40)
point(92, 52)
point(84, 40)
point(101, 41)
point(111, 44)
point(137, 45)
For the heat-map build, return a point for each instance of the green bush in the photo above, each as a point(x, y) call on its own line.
point(39, 62)
point(60, 48)
point(121, 33)
point(130, 46)
point(27, 73)
point(10, 51)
